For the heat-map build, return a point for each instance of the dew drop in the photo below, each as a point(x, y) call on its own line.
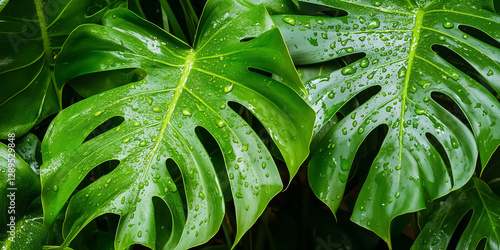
point(490, 73)
point(448, 25)
point(56, 188)
point(239, 195)
point(220, 124)
point(98, 113)
point(186, 112)
point(289, 20)
point(331, 95)
point(139, 233)
point(348, 70)
point(420, 111)
point(156, 109)
point(228, 88)
point(374, 23)
point(364, 63)
point(402, 72)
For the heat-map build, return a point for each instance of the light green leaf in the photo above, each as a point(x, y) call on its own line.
point(412, 53)
point(185, 88)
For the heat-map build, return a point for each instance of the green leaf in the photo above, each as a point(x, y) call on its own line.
point(443, 216)
point(185, 88)
point(28, 147)
point(398, 41)
point(31, 35)
point(29, 234)
point(19, 185)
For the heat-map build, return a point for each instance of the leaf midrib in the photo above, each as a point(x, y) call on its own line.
point(188, 65)
point(43, 29)
point(419, 16)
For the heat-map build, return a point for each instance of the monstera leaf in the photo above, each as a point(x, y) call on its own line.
point(185, 88)
point(415, 55)
point(31, 34)
point(442, 217)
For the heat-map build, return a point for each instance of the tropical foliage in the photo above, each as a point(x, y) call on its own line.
point(177, 127)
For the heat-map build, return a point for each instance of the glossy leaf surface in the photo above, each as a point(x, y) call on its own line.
point(185, 88)
point(19, 182)
point(31, 34)
point(443, 216)
point(414, 53)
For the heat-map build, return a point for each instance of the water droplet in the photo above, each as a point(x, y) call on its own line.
point(454, 142)
point(56, 188)
point(448, 25)
point(201, 195)
point(186, 112)
point(123, 200)
point(374, 23)
point(420, 111)
point(156, 109)
point(231, 176)
point(331, 95)
point(378, 3)
point(344, 131)
point(137, 124)
point(348, 70)
point(220, 124)
point(364, 63)
point(125, 140)
point(402, 72)
point(228, 88)
point(397, 195)
point(98, 113)
point(149, 99)
point(263, 165)
point(201, 107)
point(424, 84)
point(289, 20)
point(239, 195)
point(442, 38)
point(247, 207)
point(142, 144)
point(333, 45)
point(139, 233)
point(361, 130)
point(490, 73)
point(320, 22)
point(398, 167)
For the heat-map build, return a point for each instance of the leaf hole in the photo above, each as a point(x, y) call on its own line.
point(264, 136)
point(480, 35)
point(366, 154)
point(176, 175)
point(360, 99)
point(94, 83)
point(163, 219)
point(442, 152)
point(246, 39)
point(320, 10)
point(482, 244)
point(461, 64)
point(464, 222)
point(217, 159)
point(109, 124)
point(260, 72)
point(348, 59)
point(97, 172)
point(451, 106)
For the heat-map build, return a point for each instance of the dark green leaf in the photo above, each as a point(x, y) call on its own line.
point(185, 88)
point(31, 34)
point(443, 216)
point(414, 52)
